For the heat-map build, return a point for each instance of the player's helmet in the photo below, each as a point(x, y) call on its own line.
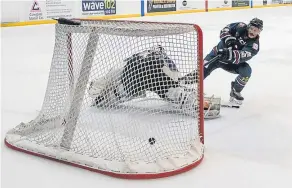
point(257, 23)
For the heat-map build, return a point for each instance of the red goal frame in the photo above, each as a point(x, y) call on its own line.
point(199, 53)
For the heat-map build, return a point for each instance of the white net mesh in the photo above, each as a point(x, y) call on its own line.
point(113, 102)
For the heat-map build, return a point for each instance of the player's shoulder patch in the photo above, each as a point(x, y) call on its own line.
point(255, 46)
point(241, 24)
point(226, 29)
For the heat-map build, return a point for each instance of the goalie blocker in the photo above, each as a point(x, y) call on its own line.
point(151, 70)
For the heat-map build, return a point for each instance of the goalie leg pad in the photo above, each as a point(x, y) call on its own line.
point(107, 90)
point(181, 96)
point(185, 99)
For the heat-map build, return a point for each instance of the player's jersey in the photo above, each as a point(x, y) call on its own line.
point(246, 47)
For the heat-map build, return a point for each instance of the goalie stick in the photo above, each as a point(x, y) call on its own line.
point(213, 60)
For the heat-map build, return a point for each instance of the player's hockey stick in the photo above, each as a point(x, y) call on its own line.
point(214, 59)
point(193, 77)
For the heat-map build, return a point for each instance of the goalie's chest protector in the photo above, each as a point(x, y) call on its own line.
point(146, 73)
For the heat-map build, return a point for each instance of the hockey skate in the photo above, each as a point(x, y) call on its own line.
point(235, 100)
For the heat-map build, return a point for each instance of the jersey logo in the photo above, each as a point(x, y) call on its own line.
point(245, 54)
point(255, 46)
point(241, 41)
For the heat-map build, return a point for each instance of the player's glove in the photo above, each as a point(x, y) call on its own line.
point(230, 41)
point(225, 54)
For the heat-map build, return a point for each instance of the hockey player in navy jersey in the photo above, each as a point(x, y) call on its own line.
point(239, 42)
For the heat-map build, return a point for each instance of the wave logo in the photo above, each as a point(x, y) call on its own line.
point(98, 7)
point(93, 5)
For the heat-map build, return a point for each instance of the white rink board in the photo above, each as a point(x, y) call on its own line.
point(30, 10)
point(219, 4)
point(189, 5)
point(20, 11)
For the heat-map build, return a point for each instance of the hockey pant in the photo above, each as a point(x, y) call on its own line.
point(242, 69)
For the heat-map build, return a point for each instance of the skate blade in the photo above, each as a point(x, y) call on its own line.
point(230, 105)
point(233, 103)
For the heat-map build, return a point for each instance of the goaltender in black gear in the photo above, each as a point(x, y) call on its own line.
point(150, 70)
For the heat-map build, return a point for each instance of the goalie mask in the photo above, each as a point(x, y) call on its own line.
point(158, 52)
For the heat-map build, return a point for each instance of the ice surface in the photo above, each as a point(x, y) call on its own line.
point(249, 147)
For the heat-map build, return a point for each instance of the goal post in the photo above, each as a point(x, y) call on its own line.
point(138, 137)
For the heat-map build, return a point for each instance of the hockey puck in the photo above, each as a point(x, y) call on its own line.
point(151, 141)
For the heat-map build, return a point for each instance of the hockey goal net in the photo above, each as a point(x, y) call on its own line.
point(142, 137)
